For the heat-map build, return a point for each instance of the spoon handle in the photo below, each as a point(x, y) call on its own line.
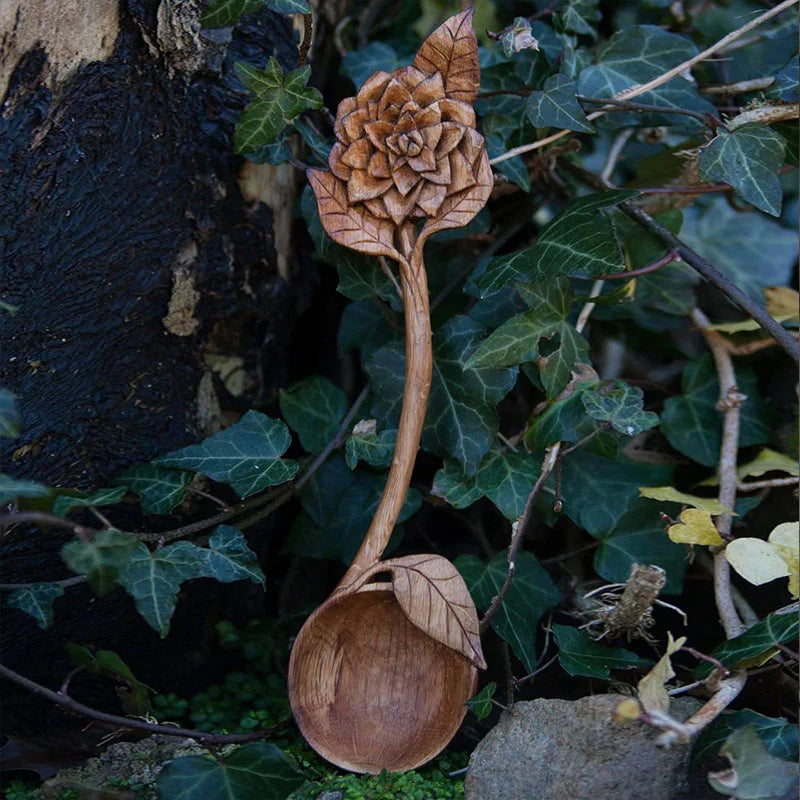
point(419, 368)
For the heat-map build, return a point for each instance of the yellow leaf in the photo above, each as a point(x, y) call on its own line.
point(694, 526)
point(768, 461)
point(755, 560)
point(651, 690)
point(785, 538)
point(669, 494)
point(628, 710)
point(759, 660)
point(783, 303)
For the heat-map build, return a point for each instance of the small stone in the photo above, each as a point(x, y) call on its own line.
point(572, 750)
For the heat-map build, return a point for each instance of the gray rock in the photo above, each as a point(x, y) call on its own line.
point(573, 750)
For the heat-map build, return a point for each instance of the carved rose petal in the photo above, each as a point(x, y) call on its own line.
point(424, 162)
point(456, 111)
point(353, 124)
point(426, 117)
point(378, 132)
point(430, 90)
point(431, 136)
point(379, 166)
point(405, 179)
point(461, 172)
point(376, 207)
point(358, 154)
point(451, 136)
point(373, 87)
point(405, 124)
point(431, 197)
point(399, 206)
point(442, 173)
point(335, 162)
point(395, 94)
point(472, 145)
point(363, 186)
point(347, 106)
point(410, 108)
point(410, 77)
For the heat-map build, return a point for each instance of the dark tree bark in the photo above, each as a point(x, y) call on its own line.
point(141, 273)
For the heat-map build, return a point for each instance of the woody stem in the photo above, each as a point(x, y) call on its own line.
point(419, 368)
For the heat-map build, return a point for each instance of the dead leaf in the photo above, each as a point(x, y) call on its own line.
point(669, 494)
point(783, 303)
point(351, 226)
point(651, 689)
point(434, 597)
point(452, 50)
point(768, 461)
point(695, 526)
point(755, 560)
point(785, 538)
point(629, 710)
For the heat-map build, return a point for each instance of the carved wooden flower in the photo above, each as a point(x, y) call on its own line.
point(407, 147)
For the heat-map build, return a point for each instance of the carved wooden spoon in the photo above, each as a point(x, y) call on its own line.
point(379, 674)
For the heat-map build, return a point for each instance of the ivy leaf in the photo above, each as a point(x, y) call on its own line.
point(254, 771)
point(160, 489)
point(579, 654)
point(289, 6)
point(556, 106)
point(695, 526)
point(359, 64)
point(452, 485)
point(756, 640)
point(735, 240)
point(313, 409)
point(366, 444)
point(154, 578)
point(101, 558)
point(65, 503)
point(461, 422)
point(581, 240)
point(579, 16)
point(12, 488)
point(529, 596)
point(338, 506)
point(555, 369)
point(279, 98)
point(692, 424)
point(638, 537)
point(779, 736)
point(635, 55)
point(786, 82)
point(754, 774)
point(506, 478)
point(9, 415)
point(246, 455)
point(621, 405)
point(36, 600)
point(365, 326)
point(481, 703)
point(221, 13)
point(747, 158)
point(518, 38)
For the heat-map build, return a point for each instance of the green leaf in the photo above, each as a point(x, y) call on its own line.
point(278, 100)
point(561, 421)
point(101, 558)
point(638, 537)
point(246, 456)
point(36, 600)
point(12, 488)
point(597, 491)
point(359, 64)
point(581, 240)
point(507, 478)
point(153, 579)
point(747, 158)
point(518, 38)
point(160, 489)
point(620, 404)
point(634, 55)
point(366, 444)
point(779, 736)
point(461, 422)
point(289, 6)
point(579, 16)
point(555, 369)
point(736, 241)
point(786, 82)
point(338, 505)
point(255, 771)
point(530, 595)
point(452, 485)
point(557, 107)
point(365, 326)
point(221, 13)
point(9, 415)
point(313, 409)
point(692, 423)
point(579, 654)
point(65, 503)
point(755, 641)
point(481, 703)
point(754, 773)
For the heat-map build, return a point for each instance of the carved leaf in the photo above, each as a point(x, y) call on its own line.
point(452, 50)
point(353, 227)
point(458, 209)
point(435, 598)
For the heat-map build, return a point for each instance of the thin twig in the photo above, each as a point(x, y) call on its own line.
point(639, 89)
point(730, 89)
point(765, 115)
point(633, 273)
point(614, 152)
point(769, 484)
point(305, 42)
point(627, 105)
point(387, 270)
point(708, 188)
point(64, 583)
point(65, 701)
point(44, 518)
